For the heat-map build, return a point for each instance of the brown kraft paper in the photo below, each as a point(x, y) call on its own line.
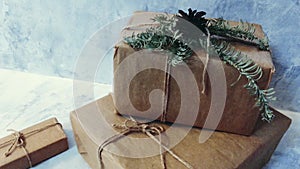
point(41, 141)
point(240, 113)
point(221, 151)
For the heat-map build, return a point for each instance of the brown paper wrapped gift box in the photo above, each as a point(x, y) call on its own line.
point(240, 114)
point(42, 141)
point(221, 151)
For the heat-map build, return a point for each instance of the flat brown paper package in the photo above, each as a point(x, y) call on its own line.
point(240, 115)
point(221, 151)
point(41, 141)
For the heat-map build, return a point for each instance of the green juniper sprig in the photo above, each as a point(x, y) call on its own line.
point(162, 38)
point(166, 37)
point(251, 71)
point(244, 31)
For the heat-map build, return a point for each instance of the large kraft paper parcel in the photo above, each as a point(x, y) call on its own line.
point(221, 151)
point(240, 113)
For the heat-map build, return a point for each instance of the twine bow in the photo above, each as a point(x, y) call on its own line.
point(18, 142)
point(130, 126)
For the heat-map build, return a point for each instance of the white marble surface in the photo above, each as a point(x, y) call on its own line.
point(28, 98)
point(46, 36)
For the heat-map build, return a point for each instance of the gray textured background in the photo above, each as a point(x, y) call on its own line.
point(46, 37)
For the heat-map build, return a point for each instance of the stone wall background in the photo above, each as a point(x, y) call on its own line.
point(46, 37)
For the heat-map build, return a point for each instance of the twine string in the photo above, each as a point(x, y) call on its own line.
point(19, 141)
point(130, 126)
point(206, 62)
point(128, 27)
point(166, 90)
point(167, 68)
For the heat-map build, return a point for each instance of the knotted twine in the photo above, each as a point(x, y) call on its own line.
point(129, 126)
point(206, 61)
point(139, 25)
point(166, 90)
point(19, 141)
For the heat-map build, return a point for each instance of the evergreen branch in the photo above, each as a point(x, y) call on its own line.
point(166, 37)
point(158, 39)
point(243, 31)
point(251, 71)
